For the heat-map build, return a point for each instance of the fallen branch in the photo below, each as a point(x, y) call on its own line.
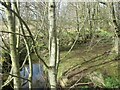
point(88, 61)
point(81, 84)
point(90, 67)
point(76, 82)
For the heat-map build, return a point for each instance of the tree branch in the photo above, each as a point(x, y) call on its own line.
point(35, 49)
point(14, 33)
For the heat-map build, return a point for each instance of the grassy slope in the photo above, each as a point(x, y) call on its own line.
point(82, 53)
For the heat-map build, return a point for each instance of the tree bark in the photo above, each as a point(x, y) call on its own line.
point(52, 45)
point(116, 21)
point(28, 50)
point(0, 66)
point(13, 50)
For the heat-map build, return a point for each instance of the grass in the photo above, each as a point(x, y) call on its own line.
point(82, 54)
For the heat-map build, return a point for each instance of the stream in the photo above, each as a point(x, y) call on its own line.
point(38, 76)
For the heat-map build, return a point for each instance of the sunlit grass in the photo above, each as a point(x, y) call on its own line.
point(77, 56)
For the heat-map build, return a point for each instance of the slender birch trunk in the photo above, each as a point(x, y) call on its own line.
point(29, 58)
point(58, 56)
point(28, 50)
point(52, 45)
point(13, 50)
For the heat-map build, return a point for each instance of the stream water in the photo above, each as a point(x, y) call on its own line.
point(38, 79)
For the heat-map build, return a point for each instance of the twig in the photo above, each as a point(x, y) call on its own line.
point(76, 38)
point(4, 42)
point(17, 77)
point(14, 33)
point(81, 84)
point(9, 79)
point(91, 47)
point(4, 20)
point(76, 82)
point(4, 48)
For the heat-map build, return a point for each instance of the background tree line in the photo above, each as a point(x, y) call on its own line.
point(47, 32)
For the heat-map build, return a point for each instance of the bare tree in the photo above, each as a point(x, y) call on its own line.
point(13, 50)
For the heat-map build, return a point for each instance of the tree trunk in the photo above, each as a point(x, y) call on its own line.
point(13, 50)
point(116, 38)
point(0, 64)
point(28, 50)
point(58, 56)
point(52, 45)
point(116, 21)
point(118, 33)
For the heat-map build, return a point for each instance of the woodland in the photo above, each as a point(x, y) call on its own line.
point(57, 45)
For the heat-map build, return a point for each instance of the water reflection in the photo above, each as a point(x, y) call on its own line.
point(38, 79)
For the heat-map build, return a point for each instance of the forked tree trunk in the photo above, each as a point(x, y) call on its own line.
point(13, 50)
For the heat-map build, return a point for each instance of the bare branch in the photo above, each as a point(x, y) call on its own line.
point(28, 32)
point(14, 33)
